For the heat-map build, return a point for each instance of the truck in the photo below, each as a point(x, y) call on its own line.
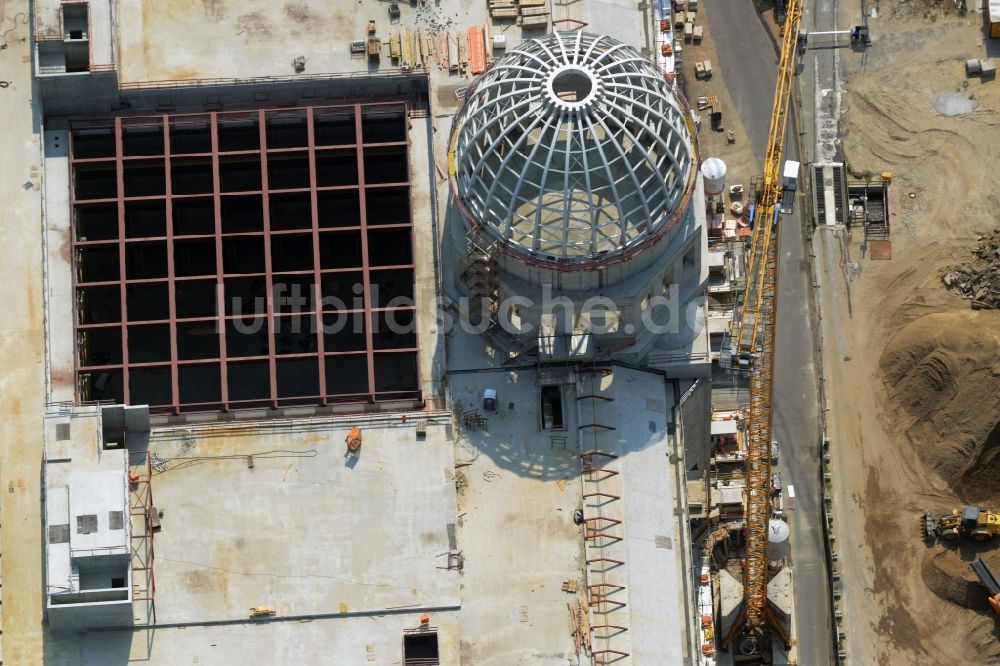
point(790, 175)
point(789, 185)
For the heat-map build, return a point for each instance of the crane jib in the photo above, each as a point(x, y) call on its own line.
point(755, 342)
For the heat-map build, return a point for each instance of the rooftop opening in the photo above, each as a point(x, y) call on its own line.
point(572, 85)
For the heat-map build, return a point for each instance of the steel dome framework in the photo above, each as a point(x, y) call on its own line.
point(573, 148)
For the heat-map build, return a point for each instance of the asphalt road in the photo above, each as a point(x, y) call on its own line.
point(747, 55)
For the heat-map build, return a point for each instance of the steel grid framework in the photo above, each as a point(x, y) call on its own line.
point(573, 148)
point(175, 215)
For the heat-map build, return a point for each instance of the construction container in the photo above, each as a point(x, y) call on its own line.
point(688, 31)
point(692, 5)
point(994, 19)
point(987, 68)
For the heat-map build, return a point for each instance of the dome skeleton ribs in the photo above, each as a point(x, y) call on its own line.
point(573, 145)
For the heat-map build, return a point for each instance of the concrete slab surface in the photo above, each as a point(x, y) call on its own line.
point(305, 531)
point(260, 38)
point(22, 340)
point(517, 531)
point(331, 640)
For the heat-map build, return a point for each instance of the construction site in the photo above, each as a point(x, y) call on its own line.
point(910, 363)
point(452, 333)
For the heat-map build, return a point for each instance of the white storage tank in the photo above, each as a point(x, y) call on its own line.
point(777, 540)
point(714, 171)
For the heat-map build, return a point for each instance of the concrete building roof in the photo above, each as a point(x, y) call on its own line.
point(727, 427)
point(350, 553)
point(732, 494)
point(87, 523)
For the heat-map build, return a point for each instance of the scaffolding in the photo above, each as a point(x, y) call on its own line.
point(143, 514)
point(602, 519)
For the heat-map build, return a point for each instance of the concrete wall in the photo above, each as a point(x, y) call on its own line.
point(73, 617)
point(98, 94)
point(694, 421)
point(60, 345)
point(674, 268)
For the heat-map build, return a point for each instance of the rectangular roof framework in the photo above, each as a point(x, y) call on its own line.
point(244, 259)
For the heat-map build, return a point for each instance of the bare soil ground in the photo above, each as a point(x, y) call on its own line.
point(913, 374)
point(741, 164)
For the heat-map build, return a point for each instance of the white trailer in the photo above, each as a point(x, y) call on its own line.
point(790, 176)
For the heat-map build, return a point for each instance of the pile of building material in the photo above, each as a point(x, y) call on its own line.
point(979, 278)
point(450, 50)
point(503, 9)
point(534, 13)
point(477, 49)
point(527, 13)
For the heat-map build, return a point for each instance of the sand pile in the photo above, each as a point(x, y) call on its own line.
point(942, 375)
point(949, 577)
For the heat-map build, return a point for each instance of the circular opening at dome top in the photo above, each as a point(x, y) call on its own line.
point(572, 85)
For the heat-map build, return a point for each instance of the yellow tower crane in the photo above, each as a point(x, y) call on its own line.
point(754, 351)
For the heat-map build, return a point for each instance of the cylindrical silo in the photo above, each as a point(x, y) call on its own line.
point(777, 539)
point(714, 171)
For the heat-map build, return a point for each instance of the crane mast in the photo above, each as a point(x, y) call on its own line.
point(754, 352)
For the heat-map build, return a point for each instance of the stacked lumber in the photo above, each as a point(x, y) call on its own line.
point(503, 9)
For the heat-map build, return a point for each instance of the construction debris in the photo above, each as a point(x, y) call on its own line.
point(979, 278)
point(579, 620)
